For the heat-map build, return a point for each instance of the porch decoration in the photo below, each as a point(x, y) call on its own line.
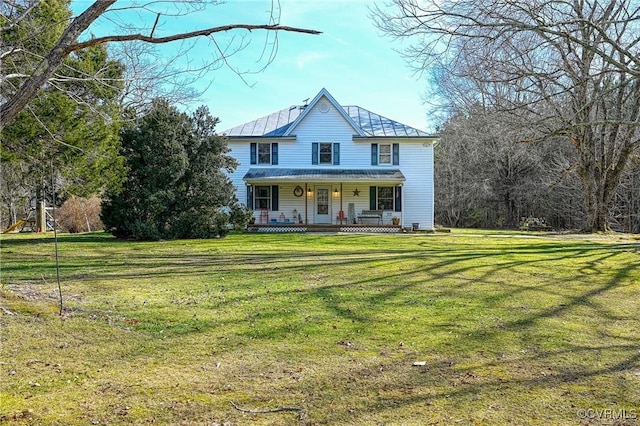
point(298, 191)
point(356, 193)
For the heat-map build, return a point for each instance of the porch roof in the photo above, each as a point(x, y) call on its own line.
point(323, 175)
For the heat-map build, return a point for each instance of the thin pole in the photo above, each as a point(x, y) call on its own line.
point(55, 236)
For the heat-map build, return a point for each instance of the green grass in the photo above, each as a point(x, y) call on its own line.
point(513, 328)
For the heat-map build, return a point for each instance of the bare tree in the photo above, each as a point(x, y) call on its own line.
point(485, 179)
point(572, 66)
point(149, 75)
point(29, 82)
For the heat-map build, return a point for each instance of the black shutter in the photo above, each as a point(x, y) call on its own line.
point(254, 154)
point(396, 154)
point(372, 198)
point(374, 154)
point(336, 154)
point(314, 153)
point(274, 197)
point(398, 200)
point(250, 196)
point(274, 153)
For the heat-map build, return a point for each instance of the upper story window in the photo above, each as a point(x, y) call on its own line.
point(385, 153)
point(264, 153)
point(325, 153)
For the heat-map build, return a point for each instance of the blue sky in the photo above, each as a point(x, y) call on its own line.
point(350, 59)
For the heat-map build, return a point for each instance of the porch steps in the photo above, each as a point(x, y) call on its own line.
point(323, 228)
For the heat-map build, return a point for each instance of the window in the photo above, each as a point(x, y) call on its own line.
point(266, 197)
point(264, 153)
point(325, 153)
point(263, 197)
point(385, 198)
point(384, 154)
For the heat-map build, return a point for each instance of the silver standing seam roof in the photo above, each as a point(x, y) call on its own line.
point(325, 175)
point(277, 123)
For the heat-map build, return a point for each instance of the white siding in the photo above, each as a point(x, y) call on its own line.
point(416, 163)
point(320, 127)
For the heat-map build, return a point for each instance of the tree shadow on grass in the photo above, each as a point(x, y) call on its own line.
point(359, 285)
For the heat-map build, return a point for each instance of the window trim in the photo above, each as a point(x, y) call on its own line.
point(266, 145)
point(389, 154)
point(396, 198)
point(394, 154)
point(273, 198)
point(391, 197)
point(256, 198)
point(254, 153)
point(316, 153)
point(320, 153)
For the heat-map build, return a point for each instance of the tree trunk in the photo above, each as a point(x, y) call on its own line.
point(597, 219)
point(41, 212)
point(12, 107)
point(599, 188)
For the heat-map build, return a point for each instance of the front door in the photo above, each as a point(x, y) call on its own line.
point(323, 205)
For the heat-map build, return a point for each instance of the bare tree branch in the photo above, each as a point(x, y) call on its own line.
point(184, 36)
point(69, 43)
point(571, 67)
point(20, 17)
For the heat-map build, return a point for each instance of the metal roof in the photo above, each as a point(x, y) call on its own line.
point(272, 125)
point(325, 175)
point(370, 124)
point(373, 124)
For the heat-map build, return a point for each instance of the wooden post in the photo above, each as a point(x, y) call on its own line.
point(306, 202)
point(41, 215)
point(341, 209)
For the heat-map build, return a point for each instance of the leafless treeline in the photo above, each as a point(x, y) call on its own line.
point(545, 93)
point(486, 178)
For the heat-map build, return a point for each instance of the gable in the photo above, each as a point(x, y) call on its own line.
point(324, 103)
point(324, 121)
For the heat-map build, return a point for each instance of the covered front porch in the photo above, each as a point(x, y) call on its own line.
point(336, 200)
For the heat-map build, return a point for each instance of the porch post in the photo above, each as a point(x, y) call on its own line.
point(341, 210)
point(402, 206)
point(306, 201)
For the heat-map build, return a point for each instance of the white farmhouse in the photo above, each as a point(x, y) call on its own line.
point(332, 165)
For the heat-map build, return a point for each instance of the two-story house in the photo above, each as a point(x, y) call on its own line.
point(323, 163)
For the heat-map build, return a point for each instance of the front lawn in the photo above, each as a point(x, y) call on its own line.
point(322, 329)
